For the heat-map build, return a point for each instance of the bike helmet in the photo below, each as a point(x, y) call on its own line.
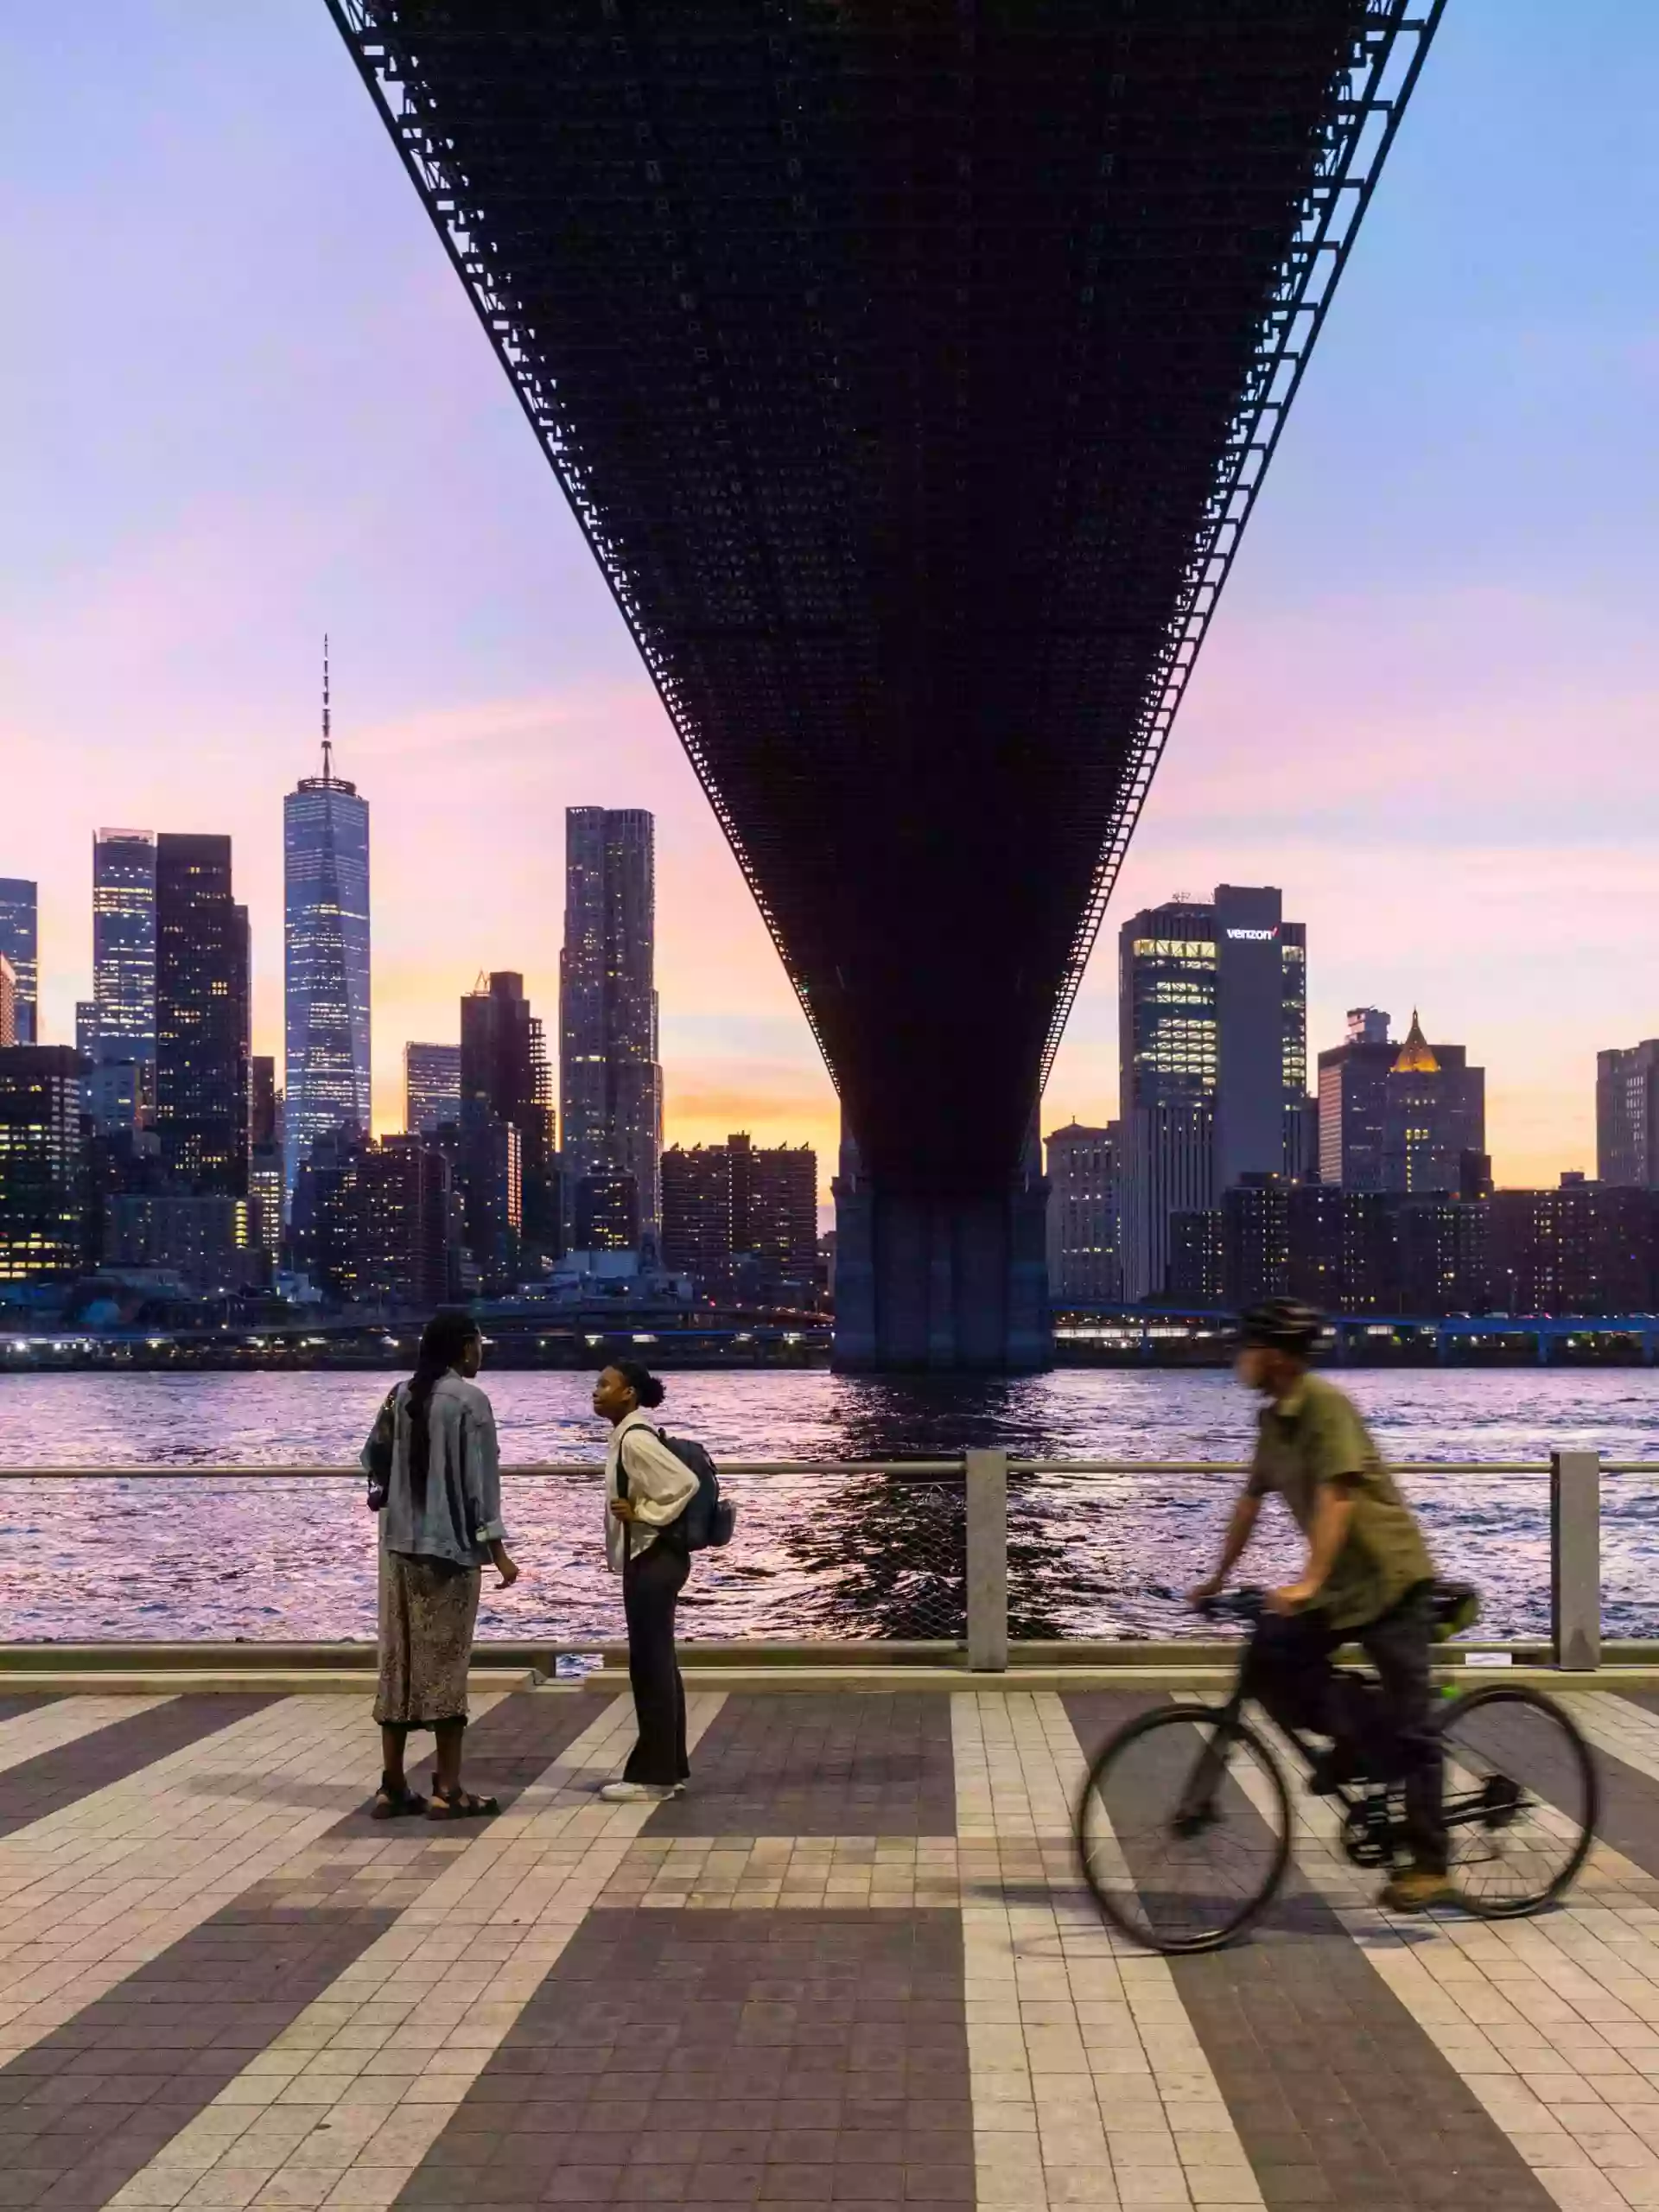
point(1283, 1325)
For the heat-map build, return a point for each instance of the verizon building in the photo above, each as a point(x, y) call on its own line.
point(1212, 1015)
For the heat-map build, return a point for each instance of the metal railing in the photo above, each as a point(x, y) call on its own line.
point(933, 1560)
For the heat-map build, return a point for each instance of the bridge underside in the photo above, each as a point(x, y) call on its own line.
point(911, 367)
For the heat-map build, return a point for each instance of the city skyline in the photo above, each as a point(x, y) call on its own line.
point(1423, 625)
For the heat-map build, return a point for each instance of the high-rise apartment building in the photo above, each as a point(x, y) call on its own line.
point(123, 944)
point(20, 943)
point(1402, 1117)
point(201, 1017)
point(1586, 1247)
point(697, 1210)
point(611, 1085)
point(374, 1222)
point(1627, 1116)
point(264, 1154)
point(1082, 1260)
point(1212, 999)
point(504, 1075)
point(775, 1206)
point(42, 1179)
point(741, 1202)
point(431, 1087)
point(326, 955)
point(207, 1241)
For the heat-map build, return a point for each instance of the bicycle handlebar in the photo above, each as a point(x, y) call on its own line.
point(1247, 1606)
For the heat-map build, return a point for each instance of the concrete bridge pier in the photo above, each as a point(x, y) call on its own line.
point(925, 1281)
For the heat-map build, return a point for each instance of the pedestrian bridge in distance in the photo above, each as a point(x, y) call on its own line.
point(912, 370)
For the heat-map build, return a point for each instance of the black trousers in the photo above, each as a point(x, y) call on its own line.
point(651, 1589)
point(1384, 1729)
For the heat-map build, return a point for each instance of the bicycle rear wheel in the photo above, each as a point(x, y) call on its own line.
point(1522, 1799)
point(1184, 1828)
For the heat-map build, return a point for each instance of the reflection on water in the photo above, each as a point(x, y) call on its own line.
point(818, 1554)
point(887, 1557)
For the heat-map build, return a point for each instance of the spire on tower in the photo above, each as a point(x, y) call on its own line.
point(328, 742)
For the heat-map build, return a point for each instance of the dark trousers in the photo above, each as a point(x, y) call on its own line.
point(1385, 1729)
point(651, 1588)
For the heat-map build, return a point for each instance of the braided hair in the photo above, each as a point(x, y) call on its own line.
point(443, 1340)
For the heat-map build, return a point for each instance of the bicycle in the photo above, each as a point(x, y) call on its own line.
point(1184, 1826)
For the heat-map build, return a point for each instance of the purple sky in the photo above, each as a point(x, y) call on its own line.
point(243, 400)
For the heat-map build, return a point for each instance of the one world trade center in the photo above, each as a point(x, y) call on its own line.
point(326, 872)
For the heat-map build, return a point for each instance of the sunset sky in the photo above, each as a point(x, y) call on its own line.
point(243, 400)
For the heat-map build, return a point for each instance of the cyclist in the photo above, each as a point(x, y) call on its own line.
point(1367, 1578)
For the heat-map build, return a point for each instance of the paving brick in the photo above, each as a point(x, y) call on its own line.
point(788, 1764)
point(45, 1784)
point(12, 1708)
point(692, 2089)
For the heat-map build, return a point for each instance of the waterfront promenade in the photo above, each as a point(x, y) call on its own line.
point(853, 1966)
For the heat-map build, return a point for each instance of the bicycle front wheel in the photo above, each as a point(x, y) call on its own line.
point(1184, 1828)
point(1522, 1799)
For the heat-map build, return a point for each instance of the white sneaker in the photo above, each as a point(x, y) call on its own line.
point(635, 1792)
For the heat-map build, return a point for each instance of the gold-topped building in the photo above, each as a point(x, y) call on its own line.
point(1416, 1054)
point(1393, 1116)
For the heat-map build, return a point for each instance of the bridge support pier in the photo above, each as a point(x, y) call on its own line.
point(923, 1281)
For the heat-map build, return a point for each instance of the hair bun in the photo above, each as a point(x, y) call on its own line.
point(652, 1392)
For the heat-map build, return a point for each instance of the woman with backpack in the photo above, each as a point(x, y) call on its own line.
point(647, 1487)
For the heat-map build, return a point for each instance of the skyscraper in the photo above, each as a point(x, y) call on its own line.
point(8, 1002)
point(19, 942)
point(1398, 1118)
point(123, 944)
point(1627, 1115)
point(1213, 1000)
point(741, 1202)
point(201, 1017)
point(326, 954)
point(611, 1086)
point(43, 1163)
point(505, 1076)
point(775, 1206)
point(1082, 1214)
point(1351, 1080)
point(1433, 1116)
point(264, 1154)
point(431, 1087)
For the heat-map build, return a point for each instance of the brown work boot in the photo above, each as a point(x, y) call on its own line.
point(1418, 1889)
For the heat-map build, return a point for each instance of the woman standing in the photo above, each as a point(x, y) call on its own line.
point(646, 1487)
point(433, 1447)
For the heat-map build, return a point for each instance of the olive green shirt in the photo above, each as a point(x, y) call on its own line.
point(1316, 1436)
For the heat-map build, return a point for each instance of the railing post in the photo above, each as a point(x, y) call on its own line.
point(988, 1561)
point(1575, 1559)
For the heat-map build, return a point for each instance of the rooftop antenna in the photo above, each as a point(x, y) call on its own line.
point(328, 742)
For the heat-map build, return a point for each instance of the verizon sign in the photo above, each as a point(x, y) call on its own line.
point(1255, 937)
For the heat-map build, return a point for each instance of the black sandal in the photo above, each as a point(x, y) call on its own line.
point(395, 1802)
point(463, 1805)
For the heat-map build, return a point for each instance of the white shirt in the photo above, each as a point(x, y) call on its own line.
point(660, 1487)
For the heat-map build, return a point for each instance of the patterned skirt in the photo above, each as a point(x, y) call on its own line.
point(427, 1609)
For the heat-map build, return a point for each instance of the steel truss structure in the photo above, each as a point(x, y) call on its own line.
point(912, 367)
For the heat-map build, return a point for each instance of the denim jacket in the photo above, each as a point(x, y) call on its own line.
point(461, 1514)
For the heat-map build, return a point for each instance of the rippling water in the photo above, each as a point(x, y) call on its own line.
point(817, 1554)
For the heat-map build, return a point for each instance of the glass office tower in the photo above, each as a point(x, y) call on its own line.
point(326, 957)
